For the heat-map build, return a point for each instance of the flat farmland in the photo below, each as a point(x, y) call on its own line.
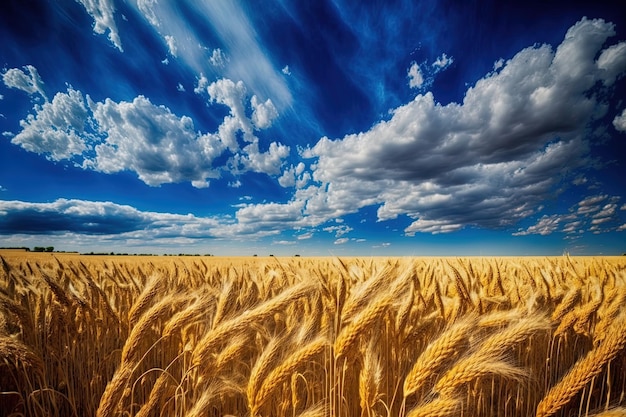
point(254, 336)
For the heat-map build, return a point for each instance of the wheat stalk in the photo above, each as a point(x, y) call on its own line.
point(437, 354)
point(584, 370)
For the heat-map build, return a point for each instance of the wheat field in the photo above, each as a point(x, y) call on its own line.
point(364, 337)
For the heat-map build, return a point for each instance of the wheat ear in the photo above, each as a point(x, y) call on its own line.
point(262, 367)
point(228, 328)
point(437, 354)
point(282, 373)
point(584, 370)
point(440, 407)
point(362, 321)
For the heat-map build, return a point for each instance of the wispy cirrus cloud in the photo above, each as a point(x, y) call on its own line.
point(237, 53)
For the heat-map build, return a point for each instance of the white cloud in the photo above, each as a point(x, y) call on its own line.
point(443, 62)
point(228, 93)
point(159, 146)
point(432, 226)
point(305, 236)
point(247, 60)
point(57, 129)
point(416, 79)
point(268, 162)
point(201, 86)
point(288, 179)
point(31, 82)
point(338, 230)
point(613, 61)
point(218, 59)
point(295, 176)
point(2, 188)
point(171, 44)
point(285, 70)
point(608, 211)
point(489, 161)
point(149, 8)
point(180, 88)
point(284, 242)
point(341, 241)
point(1, 97)
point(545, 226)
point(100, 219)
point(153, 142)
point(263, 113)
point(620, 122)
point(264, 219)
point(585, 216)
point(102, 12)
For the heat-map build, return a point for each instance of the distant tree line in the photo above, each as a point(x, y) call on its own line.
point(43, 249)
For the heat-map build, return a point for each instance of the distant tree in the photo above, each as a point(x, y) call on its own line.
point(50, 249)
point(39, 249)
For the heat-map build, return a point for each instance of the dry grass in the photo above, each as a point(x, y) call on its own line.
point(187, 336)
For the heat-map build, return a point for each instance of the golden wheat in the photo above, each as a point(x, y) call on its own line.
point(190, 336)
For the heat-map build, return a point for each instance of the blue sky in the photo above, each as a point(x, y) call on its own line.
point(313, 127)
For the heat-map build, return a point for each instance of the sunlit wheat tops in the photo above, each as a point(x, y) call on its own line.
point(260, 337)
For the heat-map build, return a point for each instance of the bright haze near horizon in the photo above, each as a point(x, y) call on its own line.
point(313, 127)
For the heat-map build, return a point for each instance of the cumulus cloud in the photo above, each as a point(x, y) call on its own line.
point(57, 129)
point(341, 241)
point(613, 61)
point(150, 140)
point(31, 82)
point(443, 62)
point(231, 94)
point(153, 142)
point(203, 83)
point(620, 122)
point(103, 14)
point(295, 176)
point(263, 113)
point(286, 70)
point(416, 79)
point(489, 161)
point(264, 219)
point(268, 162)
